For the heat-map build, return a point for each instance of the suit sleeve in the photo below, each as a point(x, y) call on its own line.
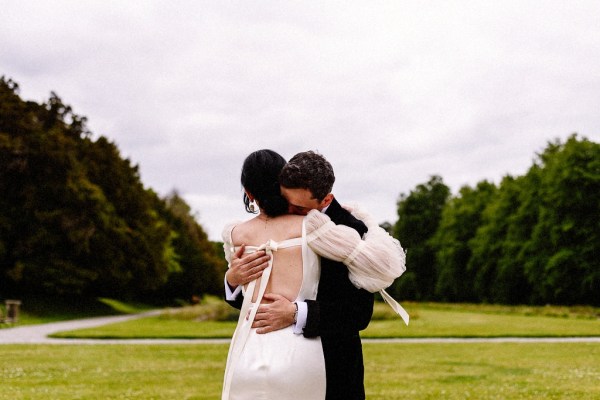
point(339, 317)
point(237, 303)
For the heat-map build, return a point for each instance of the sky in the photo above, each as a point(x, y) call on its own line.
point(390, 92)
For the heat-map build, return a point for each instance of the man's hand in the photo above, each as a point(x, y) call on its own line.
point(274, 316)
point(245, 268)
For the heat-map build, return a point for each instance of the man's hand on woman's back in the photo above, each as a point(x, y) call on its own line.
point(245, 268)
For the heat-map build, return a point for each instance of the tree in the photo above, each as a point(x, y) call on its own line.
point(561, 256)
point(419, 215)
point(75, 218)
point(498, 276)
point(460, 219)
point(534, 239)
point(200, 268)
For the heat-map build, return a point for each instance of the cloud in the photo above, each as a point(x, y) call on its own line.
point(390, 92)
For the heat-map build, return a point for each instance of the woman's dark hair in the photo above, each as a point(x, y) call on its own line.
point(260, 177)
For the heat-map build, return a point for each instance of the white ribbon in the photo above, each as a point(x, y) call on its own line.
point(240, 336)
point(395, 306)
point(269, 247)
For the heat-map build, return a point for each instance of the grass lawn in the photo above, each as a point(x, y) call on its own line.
point(44, 310)
point(455, 323)
point(427, 320)
point(393, 371)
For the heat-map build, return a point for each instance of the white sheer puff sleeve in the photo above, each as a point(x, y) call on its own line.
point(227, 241)
point(373, 262)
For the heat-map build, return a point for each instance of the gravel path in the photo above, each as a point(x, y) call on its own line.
point(38, 334)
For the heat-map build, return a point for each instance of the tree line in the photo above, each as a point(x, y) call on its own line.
point(531, 239)
point(75, 218)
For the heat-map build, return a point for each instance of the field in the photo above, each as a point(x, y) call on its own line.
point(427, 320)
point(393, 370)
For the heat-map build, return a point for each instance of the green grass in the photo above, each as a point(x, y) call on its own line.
point(44, 309)
point(122, 307)
point(427, 320)
point(111, 372)
point(154, 328)
point(393, 371)
point(482, 371)
point(449, 323)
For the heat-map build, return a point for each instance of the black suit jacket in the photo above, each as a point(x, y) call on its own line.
point(337, 315)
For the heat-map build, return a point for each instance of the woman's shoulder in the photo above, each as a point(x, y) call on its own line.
point(227, 229)
point(239, 231)
point(257, 231)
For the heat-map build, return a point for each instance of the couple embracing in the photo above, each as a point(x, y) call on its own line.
point(303, 273)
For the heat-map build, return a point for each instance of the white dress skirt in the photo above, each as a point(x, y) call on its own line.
point(280, 364)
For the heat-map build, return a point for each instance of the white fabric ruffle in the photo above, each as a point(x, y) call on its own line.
point(373, 262)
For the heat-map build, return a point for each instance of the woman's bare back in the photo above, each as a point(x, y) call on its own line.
point(286, 275)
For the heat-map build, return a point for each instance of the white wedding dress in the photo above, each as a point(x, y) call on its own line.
point(279, 364)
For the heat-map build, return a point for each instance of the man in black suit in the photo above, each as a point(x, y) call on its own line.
point(340, 310)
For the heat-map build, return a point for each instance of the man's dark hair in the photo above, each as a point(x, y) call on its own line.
point(308, 170)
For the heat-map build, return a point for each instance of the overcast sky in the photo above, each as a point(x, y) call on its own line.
point(391, 92)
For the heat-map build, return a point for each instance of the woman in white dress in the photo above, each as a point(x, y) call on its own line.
point(279, 364)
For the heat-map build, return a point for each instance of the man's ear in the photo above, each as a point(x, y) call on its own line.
point(326, 200)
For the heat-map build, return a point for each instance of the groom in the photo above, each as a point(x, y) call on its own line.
point(340, 310)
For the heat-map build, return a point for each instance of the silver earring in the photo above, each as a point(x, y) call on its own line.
point(251, 207)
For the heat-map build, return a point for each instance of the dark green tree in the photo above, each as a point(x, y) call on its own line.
point(200, 269)
point(499, 278)
point(419, 215)
point(461, 218)
point(561, 258)
point(75, 218)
